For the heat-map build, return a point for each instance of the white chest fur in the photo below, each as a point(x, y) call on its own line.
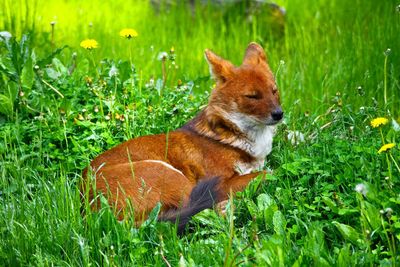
point(258, 142)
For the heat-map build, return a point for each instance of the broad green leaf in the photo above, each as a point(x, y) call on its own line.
point(251, 207)
point(264, 201)
point(12, 90)
point(372, 215)
point(267, 206)
point(59, 67)
point(27, 75)
point(344, 258)
point(279, 223)
point(152, 216)
point(52, 73)
point(348, 232)
point(330, 204)
point(6, 105)
point(347, 211)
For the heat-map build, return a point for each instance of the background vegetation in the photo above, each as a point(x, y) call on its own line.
point(331, 200)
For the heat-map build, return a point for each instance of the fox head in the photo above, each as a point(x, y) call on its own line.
point(246, 95)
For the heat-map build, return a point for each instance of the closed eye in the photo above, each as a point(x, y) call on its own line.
point(253, 96)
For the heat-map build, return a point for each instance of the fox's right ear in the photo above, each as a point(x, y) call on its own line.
point(220, 68)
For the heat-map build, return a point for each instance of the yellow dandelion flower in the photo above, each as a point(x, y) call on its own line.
point(378, 122)
point(386, 147)
point(89, 44)
point(128, 33)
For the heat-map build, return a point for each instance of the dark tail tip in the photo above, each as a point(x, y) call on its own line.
point(203, 196)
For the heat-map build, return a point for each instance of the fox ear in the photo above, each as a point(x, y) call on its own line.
point(220, 68)
point(254, 55)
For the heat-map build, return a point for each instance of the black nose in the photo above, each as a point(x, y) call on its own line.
point(277, 114)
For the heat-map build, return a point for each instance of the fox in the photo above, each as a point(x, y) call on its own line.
point(198, 165)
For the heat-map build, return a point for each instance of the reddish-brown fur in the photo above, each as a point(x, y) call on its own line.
point(212, 144)
point(143, 183)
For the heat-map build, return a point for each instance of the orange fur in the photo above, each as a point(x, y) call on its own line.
point(229, 139)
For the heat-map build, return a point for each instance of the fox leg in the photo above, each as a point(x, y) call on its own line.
point(232, 185)
point(235, 184)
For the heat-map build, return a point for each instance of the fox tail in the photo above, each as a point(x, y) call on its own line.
point(203, 196)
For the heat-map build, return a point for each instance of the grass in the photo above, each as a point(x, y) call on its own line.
point(331, 200)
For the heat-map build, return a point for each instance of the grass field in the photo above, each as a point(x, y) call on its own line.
point(331, 200)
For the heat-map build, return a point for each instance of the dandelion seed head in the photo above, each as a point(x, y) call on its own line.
point(388, 210)
point(362, 189)
point(162, 56)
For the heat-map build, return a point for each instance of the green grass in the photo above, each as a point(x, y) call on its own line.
point(332, 71)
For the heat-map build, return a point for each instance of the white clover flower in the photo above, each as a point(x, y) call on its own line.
point(362, 189)
point(295, 137)
point(113, 71)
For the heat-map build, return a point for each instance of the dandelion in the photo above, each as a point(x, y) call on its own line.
point(128, 33)
point(378, 122)
point(89, 44)
point(162, 56)
point(362, 189)
point(386, 147)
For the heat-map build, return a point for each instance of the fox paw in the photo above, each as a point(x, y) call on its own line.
point(221, 207)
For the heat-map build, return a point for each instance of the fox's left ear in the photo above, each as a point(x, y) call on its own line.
point(254, 55)
point(220, 68)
